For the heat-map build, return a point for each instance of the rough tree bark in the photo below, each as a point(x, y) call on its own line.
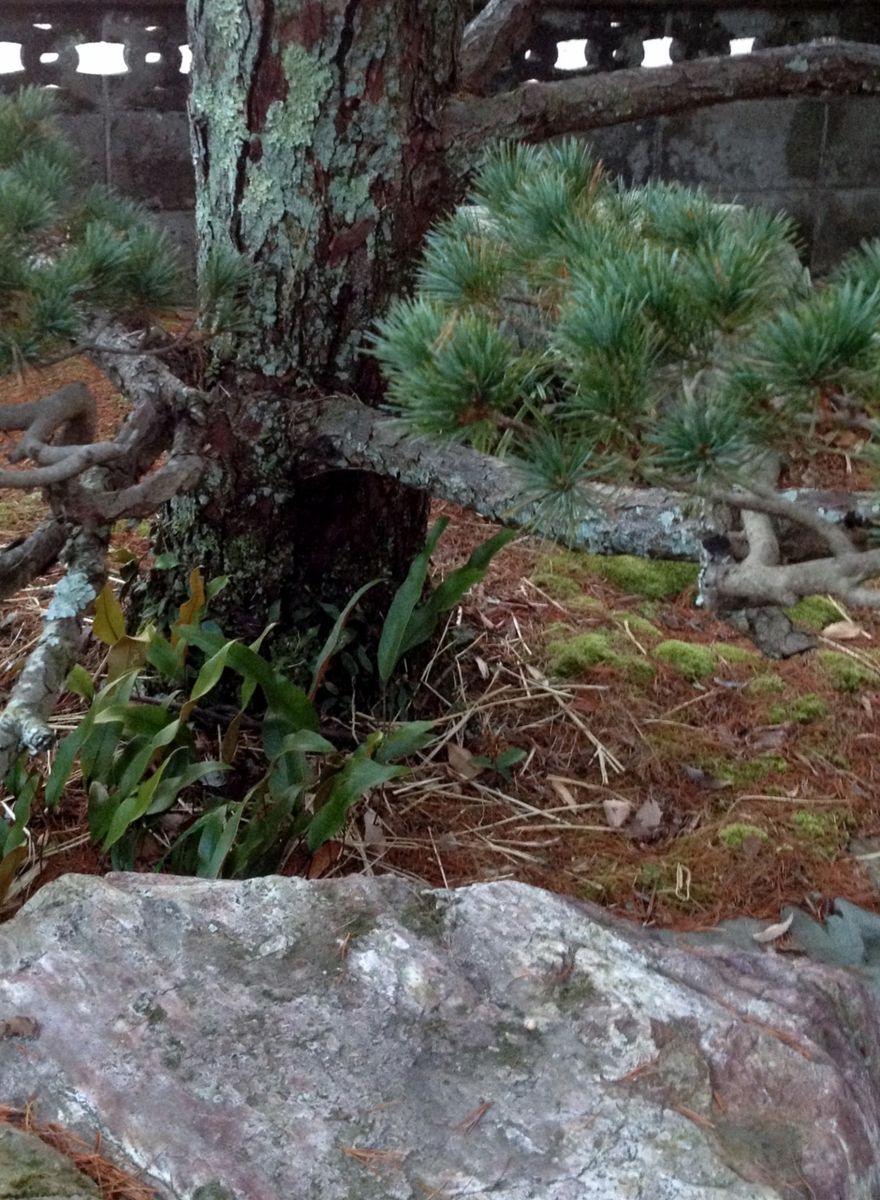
point(316, 144)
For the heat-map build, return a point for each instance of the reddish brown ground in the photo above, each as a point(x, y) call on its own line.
point(682, 759)
point(688, 759)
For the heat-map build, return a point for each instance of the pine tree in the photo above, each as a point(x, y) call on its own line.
point(643, 337)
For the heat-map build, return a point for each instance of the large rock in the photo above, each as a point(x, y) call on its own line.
point(361, 1039)
point(31, 1170)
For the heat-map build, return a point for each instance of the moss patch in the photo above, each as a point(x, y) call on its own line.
point(583, 603)
point(825, 828)
point(804, 709)
point(639, 627)
point(655, 578)
point(691, 661)
point(560, 587)
point(766, 684)
point(735, 654)
point(846, 674)
point(736, 835)
point(746, 773)
point(652, 578)
point(576, 655)
point(814, 612)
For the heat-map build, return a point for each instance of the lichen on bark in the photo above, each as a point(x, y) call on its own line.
point(317, 155)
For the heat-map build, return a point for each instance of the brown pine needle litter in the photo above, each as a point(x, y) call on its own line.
point(112, 1182)
point(626, 788)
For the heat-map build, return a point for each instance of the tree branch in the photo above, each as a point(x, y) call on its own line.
point(24, 724)
point(754, 583)
point(490, 39)
point(29, 557)
point(536, 111)
point(648, 522)
point(774, 504)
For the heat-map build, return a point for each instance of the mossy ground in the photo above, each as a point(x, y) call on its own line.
point(661, 706)
point(725, 744)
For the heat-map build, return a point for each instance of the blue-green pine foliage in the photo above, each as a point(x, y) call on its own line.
point(67, 249)
point(592, 331)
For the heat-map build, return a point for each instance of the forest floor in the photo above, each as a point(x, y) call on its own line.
point(664, 768)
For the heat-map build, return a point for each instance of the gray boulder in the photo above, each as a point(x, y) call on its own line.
point(31, 1170)
point(362, 1039)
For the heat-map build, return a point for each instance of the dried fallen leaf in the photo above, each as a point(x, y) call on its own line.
point(647, 819)
point(20, 1027)
point(324, 859)
point(770, 737)
point(772, 932)
point(482, 666)
point(374, 834)
point(845, 631)
point(563, 792)
point(617, 812)
point(462, 761)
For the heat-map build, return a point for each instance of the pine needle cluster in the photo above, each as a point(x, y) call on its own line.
point(66, 248)
point(652, 333)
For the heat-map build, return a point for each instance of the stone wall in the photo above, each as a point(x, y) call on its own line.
point(817, 159)
point(131, 127)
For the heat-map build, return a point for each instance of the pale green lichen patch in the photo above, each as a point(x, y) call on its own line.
point(847, 674)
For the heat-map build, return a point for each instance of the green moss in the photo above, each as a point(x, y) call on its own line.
point(690, 660)
point(564, 562)
point(804, 709)
point(767, 684)
point(826, 830)
point(650, 875)
point(653, 578)
point(736, 835)
point(746, 773)
point(735, 654)
point(560, 587)
point(640, 627)
point(819, 825)
point(587, 604)
point(815, 612)
point(575, 655)
point(847, 674)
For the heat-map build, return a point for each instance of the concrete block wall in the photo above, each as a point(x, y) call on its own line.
point(819, 160)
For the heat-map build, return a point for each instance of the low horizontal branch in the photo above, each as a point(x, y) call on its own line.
point(24, 723)
point(647, 522)
point(535, 111)
point(30, 557)
point(492, 37)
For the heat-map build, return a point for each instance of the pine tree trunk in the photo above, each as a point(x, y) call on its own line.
point(317, 157)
